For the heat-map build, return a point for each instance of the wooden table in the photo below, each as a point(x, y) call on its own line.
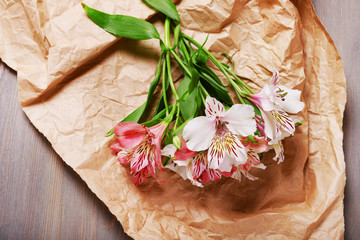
point(41, 197)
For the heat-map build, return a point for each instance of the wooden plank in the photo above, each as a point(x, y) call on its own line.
point(342, 20)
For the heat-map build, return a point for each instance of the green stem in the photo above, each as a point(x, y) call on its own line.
point(170, 116)
point(164, 86)
point(240, 98)
point(180, 62)
point(240, 81)
point(177, 116)
point(170, 76)
point(183, 47)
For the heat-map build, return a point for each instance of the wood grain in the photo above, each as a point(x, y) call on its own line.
point(42, 198)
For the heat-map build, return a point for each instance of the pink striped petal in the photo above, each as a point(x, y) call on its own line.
point(274, 81)
point(214, 108)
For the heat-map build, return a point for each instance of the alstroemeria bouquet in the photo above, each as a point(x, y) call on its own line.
point(204, 133)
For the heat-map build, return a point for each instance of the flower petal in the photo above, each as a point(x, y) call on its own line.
point(182, 162)
point(184, 153)
point(198, 165)
point(140, 177)
point(181, 170)
point(122, 156)
point(198, 133)
point(238, 152)
point(216, 151)
point(271, 130)
point(214, 108)
point(264, 99)
point(274, 81)
point(158, 130)
point(279, 150)
point(227, 164)
point(284, 121)
point(210, 175)
point(260, 145)
point(291, 102)
point(130, 134)
point(116, 147)
point(240, 118)
point(168, 150)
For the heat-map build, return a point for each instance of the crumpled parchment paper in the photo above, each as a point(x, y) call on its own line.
point(76, 81)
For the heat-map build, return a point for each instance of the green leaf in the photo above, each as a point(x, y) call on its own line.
point(184, 86)
point(195, 76)
point(201, 57)
point(218, 94)
point(208, 71)
point(157, 118)
point(181, 128)
point(189, 107)
point(225, 65)
point(183, 51)
point(177, 32)
point(121, 25)
point(213, 82)
point(166, 7)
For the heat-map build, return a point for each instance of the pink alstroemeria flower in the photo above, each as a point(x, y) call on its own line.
point(140, 146)
point(253, 160)
point(217, 132)
point(191, 165)
point(274, 102)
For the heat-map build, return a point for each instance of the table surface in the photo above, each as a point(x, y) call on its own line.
point(41, 197)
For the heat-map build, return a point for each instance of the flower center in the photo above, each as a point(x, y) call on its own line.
point(281, 94)
point(222, 141)
point(220, 122)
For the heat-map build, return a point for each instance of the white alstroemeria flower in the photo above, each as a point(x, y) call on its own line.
point(274, 102)
point(180, 167)
point(217, 132)
point(187, 164)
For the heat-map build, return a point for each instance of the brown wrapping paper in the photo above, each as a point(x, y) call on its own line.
point(76, 81)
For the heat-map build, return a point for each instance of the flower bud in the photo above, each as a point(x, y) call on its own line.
point(177, 142)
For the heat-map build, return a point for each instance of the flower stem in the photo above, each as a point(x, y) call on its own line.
point(164, 86)
point(180, 62)
point(169, 117)
point(177, 116)
point(247, 88)
point(168, 66)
